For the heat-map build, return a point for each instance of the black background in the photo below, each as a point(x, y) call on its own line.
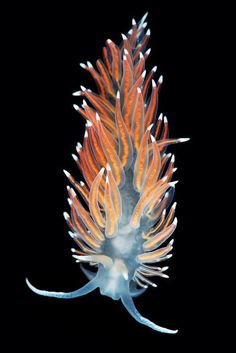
point(48, 44)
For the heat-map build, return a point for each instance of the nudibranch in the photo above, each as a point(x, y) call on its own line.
point(122, 228)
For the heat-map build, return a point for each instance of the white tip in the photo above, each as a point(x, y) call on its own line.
point(73, 192)
point(84, 102)
point(164, 268)
point(75, 107)
point(97, 117)
point(108, 167)
point(124, 36)
point(124, 57)
point(165, 120)
point(76, 94)
point(160, 117)
point(149, 127)
point(154, 69)
point(81, 183)
point(168, 155)
point(173, 183)
point(148, 32)
point(168, 256)
point(140, 55)
point(164, 178)
point(174, 205)
point(133, 22)
point(175, 221)
point(78, 149)
point(66, 173)
point(118, 95)
point(144, 18)
point(172, 159)
point(83, 65)
point(89, 64)
point(83, 88)
point(126, 51)
point(139, 90)
point(166, 194)
point(73, 250)
point(144, 25)
point(184, 139)
point(72, 235)
point(143, 74)
point(160, 79)
point(174, 170)
point(130, 31)
point(89, 123)
point(109, 41)
point(79, 145)
point(74, 157)
point(86, 134)
point(164, 275)
point(101, 171)
point(152, 138)
point(153, 83)
point(66, 216)
point(154, 285)
point(107, 179)
point(171, 242)
point(148, 51)
point(164, 212)
point(69, 201)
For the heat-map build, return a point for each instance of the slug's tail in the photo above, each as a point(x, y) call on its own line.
point(130, 307)
point(87, 288)
point(134, 291)
point(89, 274)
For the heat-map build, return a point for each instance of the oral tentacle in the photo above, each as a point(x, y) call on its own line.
point(136, 292)
point(130, 307)
point(87, 288)
point(89, 274)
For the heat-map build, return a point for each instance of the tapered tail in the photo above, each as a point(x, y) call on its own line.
point(137, 292)
point(134, 291)
point(129, 305)
point(89, 274)
point(87, 288)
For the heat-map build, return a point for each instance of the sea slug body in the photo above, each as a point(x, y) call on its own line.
point(122, 228)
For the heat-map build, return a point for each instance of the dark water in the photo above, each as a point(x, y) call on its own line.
point(46, 42)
